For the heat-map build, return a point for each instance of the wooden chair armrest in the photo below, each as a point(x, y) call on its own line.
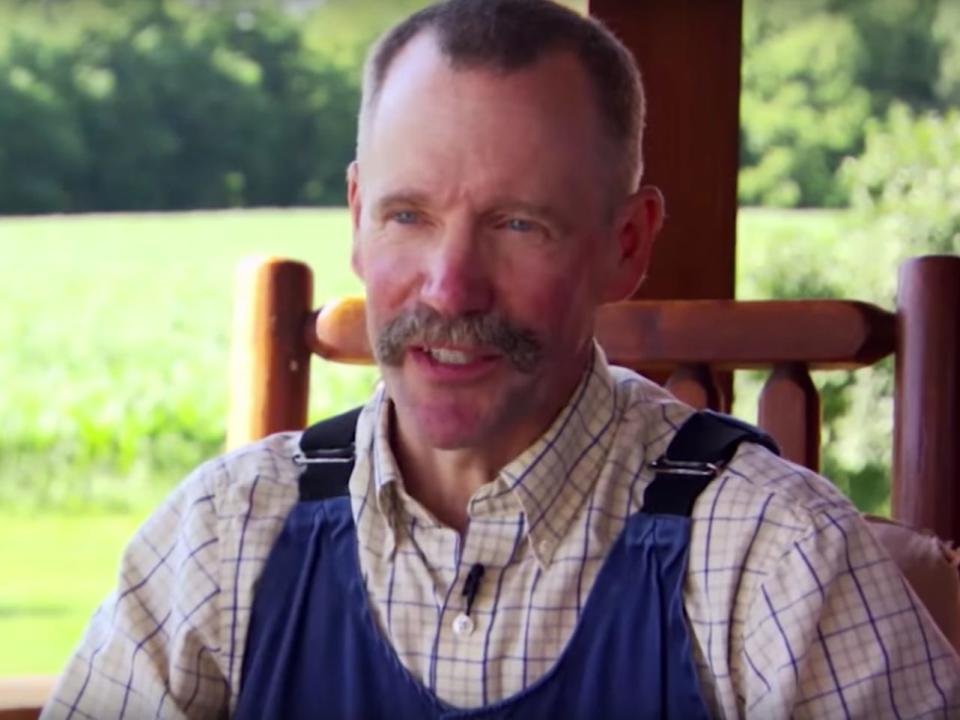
point(725, 334)
point(22, 697)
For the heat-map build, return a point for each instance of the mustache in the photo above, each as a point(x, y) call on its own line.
point(425, 326)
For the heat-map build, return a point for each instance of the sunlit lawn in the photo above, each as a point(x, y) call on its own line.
point(111, 321)
point(114, 343)
point(111, 326)
point(55, 570)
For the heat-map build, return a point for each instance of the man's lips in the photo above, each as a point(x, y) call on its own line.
point(453, 363)
point(455, 354)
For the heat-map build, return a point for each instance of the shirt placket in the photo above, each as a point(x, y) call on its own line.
point(465, 632)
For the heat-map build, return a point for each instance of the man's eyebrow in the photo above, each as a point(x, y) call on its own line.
point(400, 197)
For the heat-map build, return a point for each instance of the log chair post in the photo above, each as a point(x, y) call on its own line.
point(790, 411)
point(926, 450)
point(696, 386)
point(22, 697)
point(269, 359)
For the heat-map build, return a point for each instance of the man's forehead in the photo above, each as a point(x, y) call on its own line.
point(421, 67)
point(419, 59)
point(474, 131)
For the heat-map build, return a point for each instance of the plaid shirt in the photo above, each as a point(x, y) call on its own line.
point(794, 609)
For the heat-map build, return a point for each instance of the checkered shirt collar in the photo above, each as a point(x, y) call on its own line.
point(549, 481)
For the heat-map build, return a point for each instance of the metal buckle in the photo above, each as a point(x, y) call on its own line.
point(685, 467)
point(331, 456)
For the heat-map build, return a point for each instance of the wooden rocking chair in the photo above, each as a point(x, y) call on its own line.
point(276, 331)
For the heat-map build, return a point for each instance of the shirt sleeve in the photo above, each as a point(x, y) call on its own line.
point(152, 649)
point(834, 631)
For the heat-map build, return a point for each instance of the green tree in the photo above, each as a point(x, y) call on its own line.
point(43, 150)
point(172, 109)
point(815, 71)
point(802, 110)
point(905, 190)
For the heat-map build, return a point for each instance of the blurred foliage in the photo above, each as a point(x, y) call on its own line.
point(173, 110)
point(905, 187)
point(802, 110)
point(848, 102)
point(112, 402)
point(790, 254)
point(113, 378)
point(904, 192)
point(815, 71)
point(168, 104)
point(172, 104)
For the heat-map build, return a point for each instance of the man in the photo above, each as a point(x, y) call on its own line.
point(499, 553)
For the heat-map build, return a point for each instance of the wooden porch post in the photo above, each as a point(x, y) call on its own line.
point(689, 54)
point(926, 450)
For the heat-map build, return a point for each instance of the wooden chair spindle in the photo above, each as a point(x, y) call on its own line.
point(790, 412)
point(696, 386)
point(269, 360)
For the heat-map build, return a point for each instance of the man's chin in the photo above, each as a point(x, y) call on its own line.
point(444, 433)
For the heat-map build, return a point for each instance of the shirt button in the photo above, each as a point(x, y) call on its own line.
point(543, 547)
point(463, 625)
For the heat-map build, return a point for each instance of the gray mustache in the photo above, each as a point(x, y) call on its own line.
point(425, 326)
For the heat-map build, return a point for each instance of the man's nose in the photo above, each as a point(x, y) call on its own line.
point(457, 278)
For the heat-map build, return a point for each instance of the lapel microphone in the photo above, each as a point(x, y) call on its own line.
point(472, 584)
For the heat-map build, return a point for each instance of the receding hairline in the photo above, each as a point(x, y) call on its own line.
point(429, 35)
point(467, 43)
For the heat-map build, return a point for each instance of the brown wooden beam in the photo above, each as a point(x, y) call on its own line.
point(689, 54)
point(733, 334)
point(726, 334)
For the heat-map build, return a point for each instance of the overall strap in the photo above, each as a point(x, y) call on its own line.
point(327, 456)
point(701, 447)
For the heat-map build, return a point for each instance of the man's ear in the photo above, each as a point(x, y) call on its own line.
point(635, 230)
point(353, 201)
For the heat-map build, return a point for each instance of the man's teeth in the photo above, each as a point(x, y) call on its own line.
point(450, 357)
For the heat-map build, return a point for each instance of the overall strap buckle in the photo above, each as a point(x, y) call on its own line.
point(327, 455)
point(321, 456)
point(701, 447)
point(685, 467)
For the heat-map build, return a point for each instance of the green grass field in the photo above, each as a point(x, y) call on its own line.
point(113, 350)
point(114, 339)
point(56, 570)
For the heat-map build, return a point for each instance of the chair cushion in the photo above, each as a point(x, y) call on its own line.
point(930, 566)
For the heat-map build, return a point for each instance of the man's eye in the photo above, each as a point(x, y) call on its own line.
point(519, 225)
point(404, 217)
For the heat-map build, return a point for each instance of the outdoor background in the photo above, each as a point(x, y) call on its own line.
point(146, 146)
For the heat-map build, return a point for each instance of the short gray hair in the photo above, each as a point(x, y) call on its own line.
point(509, 35)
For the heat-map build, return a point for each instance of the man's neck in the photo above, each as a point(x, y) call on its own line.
point(443, 481)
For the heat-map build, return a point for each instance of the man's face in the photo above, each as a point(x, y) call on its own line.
point(483, 237)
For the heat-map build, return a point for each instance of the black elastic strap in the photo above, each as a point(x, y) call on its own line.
point(703, 444)
point(707, 440)
point(327, 456)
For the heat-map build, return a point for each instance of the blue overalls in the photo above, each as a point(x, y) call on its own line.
point(314, 650)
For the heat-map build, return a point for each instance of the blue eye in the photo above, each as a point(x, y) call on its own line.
point(518, 225)
point(404, 217)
